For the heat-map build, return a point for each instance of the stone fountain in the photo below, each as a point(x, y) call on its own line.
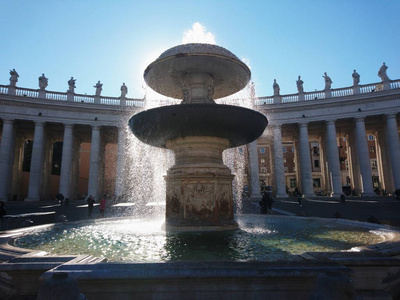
point(199, 185)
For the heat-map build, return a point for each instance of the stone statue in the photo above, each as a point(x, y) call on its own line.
point(43, 82)
point(98, 87)
point(328, 81)
point(356, 78)
point(14, 77)
point(124, 90)
point(276, 88)
point(382, 73)
point(252, 90)
point(299, 83)
point(71, 84)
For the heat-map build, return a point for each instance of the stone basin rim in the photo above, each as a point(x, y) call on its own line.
point(389, 247)
point(239, 125)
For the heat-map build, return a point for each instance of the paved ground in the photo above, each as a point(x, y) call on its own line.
point(385, 210)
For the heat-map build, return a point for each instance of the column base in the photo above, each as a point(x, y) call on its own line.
point(369, 194)
point(27, 199)
point(281, 195)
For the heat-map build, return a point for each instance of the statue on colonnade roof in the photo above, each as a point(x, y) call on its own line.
point(14, 77)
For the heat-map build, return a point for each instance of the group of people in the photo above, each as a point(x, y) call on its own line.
point(90, 201)
point(267, 199)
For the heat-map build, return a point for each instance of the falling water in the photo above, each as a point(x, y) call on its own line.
point(146, 166)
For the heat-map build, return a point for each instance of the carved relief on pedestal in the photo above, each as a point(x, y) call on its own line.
point(224, 196)
point(173, 200)
point(199, 200)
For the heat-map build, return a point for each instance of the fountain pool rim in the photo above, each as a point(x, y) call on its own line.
point(390, 246)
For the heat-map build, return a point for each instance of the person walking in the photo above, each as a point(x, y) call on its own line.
point(90, 202)
point(298, 195)
point(103, 205)
point(2, 210)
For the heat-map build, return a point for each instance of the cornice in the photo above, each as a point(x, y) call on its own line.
point(37, 103)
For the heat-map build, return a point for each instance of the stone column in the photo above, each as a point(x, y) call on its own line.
point(386, 160)
point(278, 162)
point(254, 171)
point(121, 154)
point(17, 167)
point(305, 162)
point(94, 162)
point(379, 160)
point(6, 154)
point(394, 147)
point(363, 158)
point(66, 161)
point(47, 168)
point(333, 159)
point(36, 172)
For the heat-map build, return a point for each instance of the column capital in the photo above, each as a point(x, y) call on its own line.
point(359, 119)
point(390, 115)
point(275, 126)
point(330, 122)
point(8, 121)
point(69, 125)
point(39, 123)
point(303, 124)
point(96, 127)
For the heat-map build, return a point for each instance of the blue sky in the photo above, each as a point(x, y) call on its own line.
point(114, 41)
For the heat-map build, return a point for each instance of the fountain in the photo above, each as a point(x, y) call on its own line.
point(199, 186)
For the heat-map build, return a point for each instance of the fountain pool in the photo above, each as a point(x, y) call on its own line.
point(260, 238)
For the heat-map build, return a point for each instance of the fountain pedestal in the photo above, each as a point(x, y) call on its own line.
point(199, 185)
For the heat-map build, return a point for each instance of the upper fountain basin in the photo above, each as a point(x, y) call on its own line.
point(164, 75)
point(237, 124)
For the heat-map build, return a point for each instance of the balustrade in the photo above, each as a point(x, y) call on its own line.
point(290, 98)
point(3, 89)
point(341, 92)
point(83, 98)
point(314, 95)
point(27, 93)
point(56, 96)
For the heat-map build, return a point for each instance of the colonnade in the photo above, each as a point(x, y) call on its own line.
point(388, 157)
point(11, 158)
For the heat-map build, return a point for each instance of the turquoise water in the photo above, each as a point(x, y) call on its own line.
point(260, 238)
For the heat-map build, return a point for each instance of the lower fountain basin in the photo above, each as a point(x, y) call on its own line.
point(237, 124)
point(260, 238)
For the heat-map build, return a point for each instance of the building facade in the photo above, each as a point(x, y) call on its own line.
point(325, 142)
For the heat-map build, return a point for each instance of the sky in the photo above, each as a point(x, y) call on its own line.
point(113, 41)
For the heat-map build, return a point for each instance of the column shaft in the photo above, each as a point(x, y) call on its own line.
point(278, 162)
point(121, 154)
point(6, 154)
point(94, 162)
point(363, 156)
point(36, 171)
point(394, 148)
point(305, 162)
point(333, 159)
point(254, 171)
point(66, 161)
